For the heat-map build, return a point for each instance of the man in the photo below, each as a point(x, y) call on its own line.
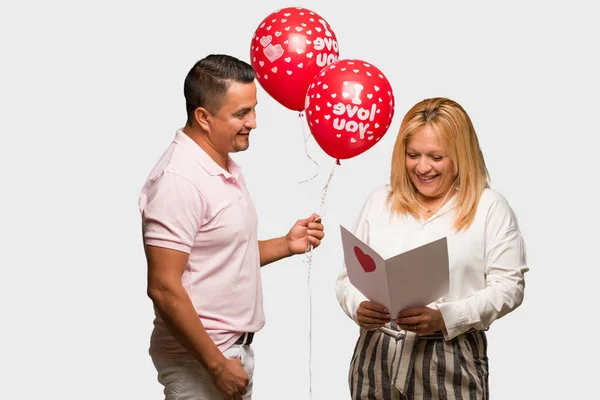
point(200, 239)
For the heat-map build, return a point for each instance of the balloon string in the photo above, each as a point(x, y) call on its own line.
point(305, 138)
point(324, 190)
point(309, 261)
point(322, 206)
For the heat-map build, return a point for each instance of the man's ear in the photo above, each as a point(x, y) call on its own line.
point(202, 117)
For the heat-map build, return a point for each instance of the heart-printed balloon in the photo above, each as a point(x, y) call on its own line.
point(290, 47)
point(349, 107)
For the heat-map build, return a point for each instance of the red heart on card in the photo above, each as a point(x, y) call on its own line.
point(366, 262)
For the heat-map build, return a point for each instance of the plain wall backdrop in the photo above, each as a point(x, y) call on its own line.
point(92, 93)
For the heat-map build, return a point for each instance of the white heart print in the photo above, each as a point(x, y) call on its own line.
point(273, 52)
point(265, 40)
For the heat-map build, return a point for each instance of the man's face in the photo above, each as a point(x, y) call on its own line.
point(230, 127)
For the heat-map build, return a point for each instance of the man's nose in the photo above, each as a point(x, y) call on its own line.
point(251, 121)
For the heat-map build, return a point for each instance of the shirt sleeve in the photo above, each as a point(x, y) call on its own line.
point(505, 267)
point(348, 296)
point(172, 212)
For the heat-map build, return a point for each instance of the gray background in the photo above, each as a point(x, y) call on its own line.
point(91, 95)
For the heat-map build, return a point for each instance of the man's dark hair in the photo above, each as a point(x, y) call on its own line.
point(209, 79)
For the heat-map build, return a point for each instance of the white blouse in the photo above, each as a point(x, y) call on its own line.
point(487, 260)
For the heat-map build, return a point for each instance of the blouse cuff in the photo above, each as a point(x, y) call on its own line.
point(456, 318)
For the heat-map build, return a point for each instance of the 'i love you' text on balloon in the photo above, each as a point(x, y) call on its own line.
point(349, 107)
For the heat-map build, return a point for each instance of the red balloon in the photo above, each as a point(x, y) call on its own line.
point(288, 49)
point(349, 107)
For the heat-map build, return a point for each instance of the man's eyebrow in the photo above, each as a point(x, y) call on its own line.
point(246, 109)
point(243, 110)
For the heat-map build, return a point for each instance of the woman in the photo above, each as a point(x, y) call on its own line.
point(438, 188)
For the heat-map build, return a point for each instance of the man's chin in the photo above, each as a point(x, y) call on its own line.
point(241, 147)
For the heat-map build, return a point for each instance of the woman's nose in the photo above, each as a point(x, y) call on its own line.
point(423, 166)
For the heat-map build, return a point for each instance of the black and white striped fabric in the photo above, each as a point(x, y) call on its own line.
point(409, 366)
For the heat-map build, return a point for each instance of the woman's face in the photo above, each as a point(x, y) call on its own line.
point(429, 163)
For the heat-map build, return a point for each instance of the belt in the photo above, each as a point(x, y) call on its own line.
point(245, 339)
point(399, 335)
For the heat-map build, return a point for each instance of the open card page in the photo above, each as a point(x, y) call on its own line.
point(411, 279)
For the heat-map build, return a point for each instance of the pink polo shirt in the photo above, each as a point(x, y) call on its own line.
point(189, 203)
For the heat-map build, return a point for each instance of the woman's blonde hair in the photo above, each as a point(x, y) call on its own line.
point(455, 129)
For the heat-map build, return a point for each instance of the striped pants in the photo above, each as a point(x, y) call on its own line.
point(410, 366)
